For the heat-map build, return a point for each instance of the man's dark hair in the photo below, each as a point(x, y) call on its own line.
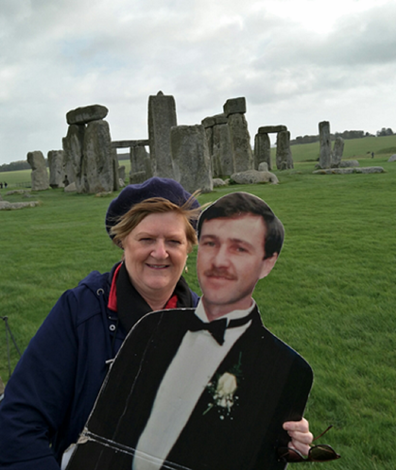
point(240, 203)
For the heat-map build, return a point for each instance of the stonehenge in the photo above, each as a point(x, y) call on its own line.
point(193, 155)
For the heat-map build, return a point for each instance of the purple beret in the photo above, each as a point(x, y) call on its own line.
point(135, 193)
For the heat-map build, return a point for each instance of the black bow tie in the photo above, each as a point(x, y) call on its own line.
point(217, 327)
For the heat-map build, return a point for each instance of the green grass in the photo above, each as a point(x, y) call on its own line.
point(331, 295)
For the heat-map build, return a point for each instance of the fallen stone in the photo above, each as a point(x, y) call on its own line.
point(254, 177)
point(86, 114)
point(16, 191)
point(263, 166)
point(348, 171)
point(348, 163)
point(218, 182)
point(392, 158)
point(71, 188)
point(5, 205)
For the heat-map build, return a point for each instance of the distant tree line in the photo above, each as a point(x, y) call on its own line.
point(308, 139)
point(18, 165)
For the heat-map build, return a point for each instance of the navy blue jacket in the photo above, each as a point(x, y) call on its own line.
point(54, 386)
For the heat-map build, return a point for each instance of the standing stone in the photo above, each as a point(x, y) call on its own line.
point(262, 150)
point(337, 153)
point(222, 150)
point(86, 114)
point(234, 110)
point(208, 124)
point(121, 173)
point(284, 160)
point(240, 142)
point(325, 144)
point(191, 158)
point(140, 165)
point(99, 168)
point(218, 137)
point(39, 173)
point(161, 118)
point(73, 147)
point(55, 164)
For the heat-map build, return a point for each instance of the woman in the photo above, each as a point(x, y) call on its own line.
point(55, 384)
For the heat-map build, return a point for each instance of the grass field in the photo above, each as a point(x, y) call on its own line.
point(331, 295)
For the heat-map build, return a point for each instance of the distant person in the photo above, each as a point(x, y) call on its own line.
point(5, 184)
point(1, 185)
point(372, 154)
point(54, 386)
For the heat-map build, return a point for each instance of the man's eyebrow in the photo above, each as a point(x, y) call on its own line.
point(239, 241)
point(212, 237)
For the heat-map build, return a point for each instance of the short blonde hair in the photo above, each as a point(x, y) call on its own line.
point(156, 205)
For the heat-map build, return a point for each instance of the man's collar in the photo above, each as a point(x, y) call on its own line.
point(233, 315)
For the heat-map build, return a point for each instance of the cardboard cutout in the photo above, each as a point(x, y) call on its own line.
point(235, 421)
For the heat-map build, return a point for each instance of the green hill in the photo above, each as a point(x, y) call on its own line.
point(353, 149)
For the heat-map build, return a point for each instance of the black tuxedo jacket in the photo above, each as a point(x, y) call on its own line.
point(273, 388)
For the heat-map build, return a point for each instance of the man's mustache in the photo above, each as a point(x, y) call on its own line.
point(215, 272)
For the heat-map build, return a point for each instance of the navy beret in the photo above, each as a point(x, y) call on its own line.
point(135, 193)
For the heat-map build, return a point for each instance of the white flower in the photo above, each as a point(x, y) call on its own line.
point(223, 394)
point(226, 386)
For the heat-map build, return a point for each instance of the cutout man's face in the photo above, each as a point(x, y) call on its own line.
point(230, 262)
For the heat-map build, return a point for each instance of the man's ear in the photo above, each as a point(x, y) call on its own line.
point(268, 264)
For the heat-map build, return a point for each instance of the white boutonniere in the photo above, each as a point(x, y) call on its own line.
point(223, 391)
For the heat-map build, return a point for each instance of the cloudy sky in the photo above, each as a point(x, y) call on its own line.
point(297, 62)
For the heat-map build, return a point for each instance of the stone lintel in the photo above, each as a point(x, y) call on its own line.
point(86, 114)
point(271, 129)
point(122, 144)
point(235, 106)
point(215, 120)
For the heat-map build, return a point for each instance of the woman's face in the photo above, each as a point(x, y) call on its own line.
point(155, 253)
